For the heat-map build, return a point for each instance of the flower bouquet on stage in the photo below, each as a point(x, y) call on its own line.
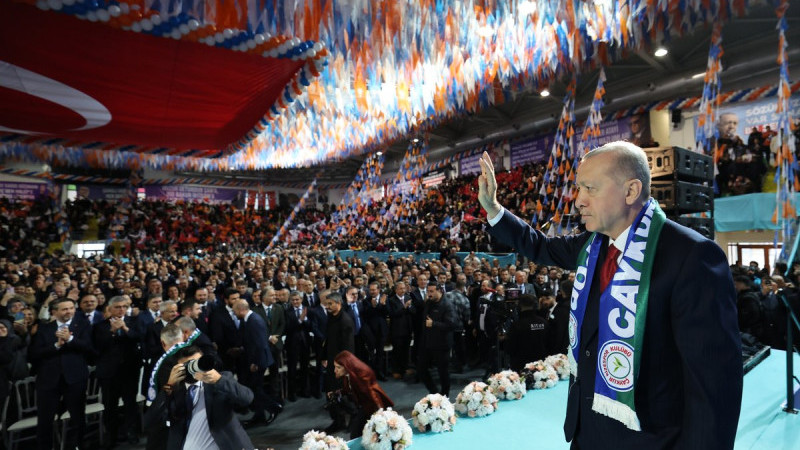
point(434, 413)
point(539, 375)
point(318, 440)
point(560, 363)
point(508, 385)
point(477, 399)
point(386, 430)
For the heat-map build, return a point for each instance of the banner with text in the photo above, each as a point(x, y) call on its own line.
point(23, 191)
point(101, 192)
point(205, 194)
point(531, 151)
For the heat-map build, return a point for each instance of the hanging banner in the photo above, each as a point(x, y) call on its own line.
point(531, 151)
point(203, 194)
point(24, 191)
point(101, 192)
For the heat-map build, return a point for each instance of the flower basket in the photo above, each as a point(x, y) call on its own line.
point(508, 385)
point(434, 413)
point(476, 400)
point(386, 430)
point(318, 440)
point(539, 375)
point(560, 363)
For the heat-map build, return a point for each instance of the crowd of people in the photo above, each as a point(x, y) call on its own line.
point(189, 272)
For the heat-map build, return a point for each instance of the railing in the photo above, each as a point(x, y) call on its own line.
point(791, 320)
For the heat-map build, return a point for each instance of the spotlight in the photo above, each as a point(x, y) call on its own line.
point(544, 93)
point(415, 140)
point(660, 51)
point(379, 153)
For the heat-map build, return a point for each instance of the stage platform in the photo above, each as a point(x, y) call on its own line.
point(536, 420)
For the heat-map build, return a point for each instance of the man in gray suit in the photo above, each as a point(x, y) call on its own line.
point(274, 317)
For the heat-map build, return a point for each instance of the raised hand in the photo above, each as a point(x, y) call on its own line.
point(487, 187)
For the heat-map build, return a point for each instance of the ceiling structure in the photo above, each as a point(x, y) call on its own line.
point(750, 50)
point(520, 45)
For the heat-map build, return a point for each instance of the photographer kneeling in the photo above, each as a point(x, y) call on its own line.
point(212, 396)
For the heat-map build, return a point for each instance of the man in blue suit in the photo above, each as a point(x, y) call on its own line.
point(257, 358)
point(654, 340)
point(58, 352)
point(88, 310)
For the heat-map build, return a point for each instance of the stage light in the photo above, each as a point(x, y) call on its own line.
point(544, 93)
point(660, 51)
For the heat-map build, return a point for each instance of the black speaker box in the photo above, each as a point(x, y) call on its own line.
point(702, 225)
point(682, 196)
point(679, 163)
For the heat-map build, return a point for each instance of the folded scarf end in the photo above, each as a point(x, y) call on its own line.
point(617, 411)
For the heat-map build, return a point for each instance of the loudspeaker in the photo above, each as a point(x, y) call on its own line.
point(677, 115)
point(679, 163)
point(682, 196)
point(702, 225)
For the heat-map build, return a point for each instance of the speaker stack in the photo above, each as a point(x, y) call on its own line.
point(682, 183)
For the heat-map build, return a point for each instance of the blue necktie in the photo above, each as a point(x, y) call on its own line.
point(358, 319)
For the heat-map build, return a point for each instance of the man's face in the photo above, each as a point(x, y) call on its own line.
point(333, 307)
point(636, 124)
point(194, 313)
point(485, 286)
point(374, 292)
point(520, 277)
point(422, 282)
point(88, 303)
point(400, 289)
point(154, 304)
point(352, 296)
point(118, 309)
point(64, 311)
point(231, 299)
point(201, 295)
point(169, 313)
point(297, 302)
point(601, 199)
point(727, 125)
point(432, 294)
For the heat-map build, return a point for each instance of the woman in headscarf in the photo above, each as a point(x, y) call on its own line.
point(360, 396)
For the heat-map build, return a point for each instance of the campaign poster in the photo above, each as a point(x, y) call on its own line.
point(24, 191)
point(531, 151)
point(206, 194)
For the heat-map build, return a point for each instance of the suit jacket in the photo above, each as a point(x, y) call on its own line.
point(338, 336)
point(689, 387)
point(116, 353)
point(151, 344)
point(275, 322)
point(69, 361)
point(318, 317)
point(223, 330)
point(558, 329)
point(256, 346)
point(375, 318)
point(97, 317)
point(401, 317)
point(529, 289)
point(221, 399)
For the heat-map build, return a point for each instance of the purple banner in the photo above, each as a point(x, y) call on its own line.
point(531, 151)
point(469, 165)
point(205, 194)
point(23, 191)
point(101, 192)
point(617, 130)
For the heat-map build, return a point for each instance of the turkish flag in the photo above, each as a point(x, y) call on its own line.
point(62, 77)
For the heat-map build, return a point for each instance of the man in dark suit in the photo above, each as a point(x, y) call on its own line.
point(374, 317)
point(364, 340)
point(275, 319)
point(58, 351)
point(418, 295)
point(201, 408)
point(298, 347)
point(401, 309)
point(318, 316)
point(118, 363)
point(338, 335)
point(436, 340)
point(88, 310)
point(689, 382)
point(521, 282)
point(256, 359)
point(224, 326)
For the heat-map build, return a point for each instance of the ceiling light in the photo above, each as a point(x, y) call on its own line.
point(544, 93)
point(660, 51)
point(415, 140)
point(699, 75)
point(379, 153)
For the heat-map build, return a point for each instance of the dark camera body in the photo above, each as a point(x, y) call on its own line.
point(200, 365)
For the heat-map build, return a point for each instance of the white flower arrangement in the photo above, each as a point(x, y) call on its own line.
point(508, 385)
point(560, 363)
point(318, 440)
point(434, 413)
point(386, 430)
point(477, 399)
point(540, 375)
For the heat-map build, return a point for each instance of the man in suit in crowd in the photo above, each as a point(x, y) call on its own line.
point(401, 310)
point(155, 420)
point(88, 310)
point(374, 317)
point(542, 286)
point(436, 340)
point(201, 408)
point(257, 358)
point(339, 335)
point(274, 317)
point(521, 282)
point(118, 364)
point(526, 340)
point(224, 327)
point(687, 387)
point(318, 316)
point(58, 352)
point(418, 295)
point(202, 341)
point(150, 315)
point(298, 346)
point(201, 297)
point(364, 340)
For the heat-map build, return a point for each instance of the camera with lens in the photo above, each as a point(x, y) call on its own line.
point(200, 365)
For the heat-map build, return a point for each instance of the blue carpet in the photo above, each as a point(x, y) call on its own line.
point(536, 420)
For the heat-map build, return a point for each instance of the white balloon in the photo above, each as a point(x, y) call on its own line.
point(273, 53)
point(42, 4)
point(91, 16)
point(175, 33)
point(219, 38)
point(228, 33)
point(259, 39)
point(114, 11)
point(193, 24)
point(295, 42)
point(251, 44)
point(184, 29)
point(156, 19)
point(124, 7)
point(54, 4)
point(103, 15)
point(319, 46)
point(136, 27)
point(147, 24)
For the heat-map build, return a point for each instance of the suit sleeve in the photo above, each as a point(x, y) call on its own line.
point(558, 251)
point(707, 335)
point(237, 394)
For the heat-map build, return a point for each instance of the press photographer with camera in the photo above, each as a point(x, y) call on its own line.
point(200, 403)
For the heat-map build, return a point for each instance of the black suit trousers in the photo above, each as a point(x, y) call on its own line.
point(48, 406)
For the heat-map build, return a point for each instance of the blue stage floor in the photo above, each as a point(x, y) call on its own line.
point(536, 420)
